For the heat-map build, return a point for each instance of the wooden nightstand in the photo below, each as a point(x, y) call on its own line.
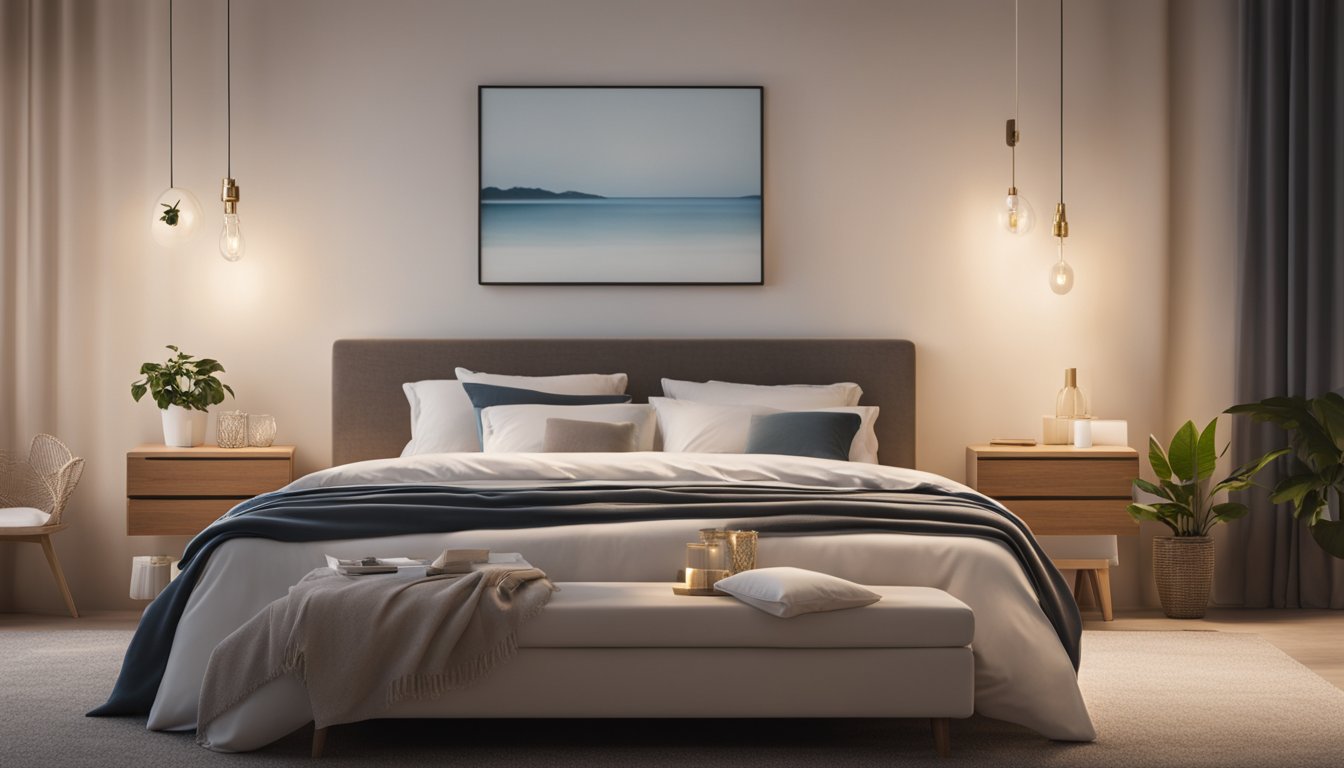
point(1060, 490)
point(179, 491)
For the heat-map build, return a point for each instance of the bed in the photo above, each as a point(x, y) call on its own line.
point(1026, 627)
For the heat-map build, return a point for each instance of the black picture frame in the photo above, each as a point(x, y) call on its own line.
point(528, 234)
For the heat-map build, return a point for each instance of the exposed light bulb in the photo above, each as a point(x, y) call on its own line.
point(1016, 216)
point(231, 244)
point(1061, 274)
point(176, 216)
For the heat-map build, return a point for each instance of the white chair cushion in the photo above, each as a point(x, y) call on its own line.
point(22, 517)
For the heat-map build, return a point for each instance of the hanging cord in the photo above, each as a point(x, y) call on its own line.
point(1016, 102)
point(170, 94)
point(229, 84)
point(1061, 101)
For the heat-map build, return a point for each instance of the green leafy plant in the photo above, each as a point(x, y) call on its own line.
point(1315, 428)
point(1185, 484)
point(170, 216)
point(182, 380)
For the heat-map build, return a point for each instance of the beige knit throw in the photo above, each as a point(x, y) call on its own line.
point(362, 643)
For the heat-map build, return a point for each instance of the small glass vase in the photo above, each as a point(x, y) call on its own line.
point(261, 430)
point(1070, 403)
point(231, 430)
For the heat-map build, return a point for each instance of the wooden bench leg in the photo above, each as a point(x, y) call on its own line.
point(1079, 584)
point(1101, 583)
point(60, 577)
point(319, 741)
point(942, 735)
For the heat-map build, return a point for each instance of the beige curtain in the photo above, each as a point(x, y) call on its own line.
point(47, 137)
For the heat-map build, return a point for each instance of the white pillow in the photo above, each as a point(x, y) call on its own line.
point(787, 592)
point(443, 420)
point(789, 397)
point(570, 384)
point(687, 427)
point(522, 428)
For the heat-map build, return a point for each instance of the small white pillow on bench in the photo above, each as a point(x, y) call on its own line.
point(787, 592)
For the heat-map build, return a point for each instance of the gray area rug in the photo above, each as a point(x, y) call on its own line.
point(1157, 698)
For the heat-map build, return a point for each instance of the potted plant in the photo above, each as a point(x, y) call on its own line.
point(183, 388)
point(1183, 562)
point(1315, 428)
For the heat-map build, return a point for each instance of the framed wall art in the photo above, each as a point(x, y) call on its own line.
point(621, 185)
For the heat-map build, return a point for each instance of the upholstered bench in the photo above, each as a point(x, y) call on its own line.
point(634, 649)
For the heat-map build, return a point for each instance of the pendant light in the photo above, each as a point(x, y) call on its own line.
point(177, 212)
point(1016, 216)
point(1061, 274)
point(231, 244)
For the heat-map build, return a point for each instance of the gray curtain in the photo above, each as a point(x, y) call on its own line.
point(1291, 262)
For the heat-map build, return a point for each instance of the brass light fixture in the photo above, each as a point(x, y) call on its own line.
point(1061, 274)
point(177, 212)
point(1017, 217)
point(231, 244)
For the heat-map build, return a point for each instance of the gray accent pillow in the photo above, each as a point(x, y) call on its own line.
point(575, 436)
point(483, 396)
point(818, 434)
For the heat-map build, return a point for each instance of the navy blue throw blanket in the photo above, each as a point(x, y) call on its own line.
point(367, 511)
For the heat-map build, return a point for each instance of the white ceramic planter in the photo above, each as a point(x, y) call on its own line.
point(183, 427)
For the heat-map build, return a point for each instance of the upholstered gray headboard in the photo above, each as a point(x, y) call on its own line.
point(370, 418)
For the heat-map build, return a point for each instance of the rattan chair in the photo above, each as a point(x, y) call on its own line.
point(33, 494)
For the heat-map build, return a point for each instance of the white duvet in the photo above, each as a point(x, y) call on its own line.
point(1023, 674)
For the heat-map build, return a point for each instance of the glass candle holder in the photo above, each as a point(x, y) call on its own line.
point(742, 550)
point(231, 430)
point(261, 430)
point(707, 562)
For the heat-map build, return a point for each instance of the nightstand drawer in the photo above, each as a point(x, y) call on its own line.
point(1072, 477)
point(173, 517)
point(1075, 517)
point(205, 477)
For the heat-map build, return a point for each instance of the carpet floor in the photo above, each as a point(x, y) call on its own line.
point(1157, 698)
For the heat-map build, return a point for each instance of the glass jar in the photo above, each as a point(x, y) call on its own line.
point(261, 430)
point(231, 429)
point(708, 561)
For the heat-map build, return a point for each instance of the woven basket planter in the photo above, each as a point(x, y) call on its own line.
point(1183, 566)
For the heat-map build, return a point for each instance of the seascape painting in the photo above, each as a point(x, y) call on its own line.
point(620, 185)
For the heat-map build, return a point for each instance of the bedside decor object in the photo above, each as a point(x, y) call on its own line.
point(1016, 216)
point(1070, 402)
point(177, 212)
point(231, 244)
point(689, 212)
point(1110, 432)
point(1315, 428)
point(179, 491)
point(708, 561)
point(1183, 562)
point(742, 549)
point(1082, 433)
point(231, 429)
point(149, 575)
point(260, 430)
point(1061, 274)
point(184, 388)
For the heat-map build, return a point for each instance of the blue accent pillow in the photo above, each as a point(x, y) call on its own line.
point(818, 434)
point(483, 396)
